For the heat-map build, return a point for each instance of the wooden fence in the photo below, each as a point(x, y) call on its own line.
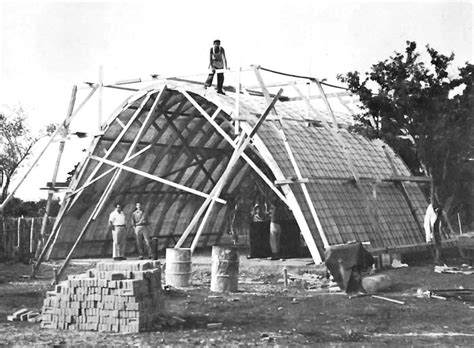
point(19, 237)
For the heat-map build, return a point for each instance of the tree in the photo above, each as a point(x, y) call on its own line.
point(409, 104)
point(16, 143)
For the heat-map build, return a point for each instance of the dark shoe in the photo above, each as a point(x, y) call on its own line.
point(221, 92)
point(117, 258)
point(123, 258)
point(140, 258)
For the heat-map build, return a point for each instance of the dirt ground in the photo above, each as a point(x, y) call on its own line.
point(264, 311)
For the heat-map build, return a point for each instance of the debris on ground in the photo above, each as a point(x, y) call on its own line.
point(398, 264)
point(214, 325)
point(464, 269)
point(25, 314)
point(308, 281)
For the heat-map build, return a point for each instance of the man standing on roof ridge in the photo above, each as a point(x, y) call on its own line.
point(217, 60)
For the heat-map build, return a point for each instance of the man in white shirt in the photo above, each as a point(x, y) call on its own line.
point(119, 233)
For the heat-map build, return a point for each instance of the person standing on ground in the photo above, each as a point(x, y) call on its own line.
point(432, 226)
point(437, 237)
point(119, 233)
point(275, 230)
point(140, 223)
point(217, 60)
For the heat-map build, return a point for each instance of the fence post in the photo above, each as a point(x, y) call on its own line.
point(32, 235)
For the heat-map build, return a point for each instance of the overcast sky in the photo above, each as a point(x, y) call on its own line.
point(48, 46)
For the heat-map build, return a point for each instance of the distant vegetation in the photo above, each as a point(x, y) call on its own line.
point(17, 208)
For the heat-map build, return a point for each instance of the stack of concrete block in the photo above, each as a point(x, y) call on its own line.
point(121, 296)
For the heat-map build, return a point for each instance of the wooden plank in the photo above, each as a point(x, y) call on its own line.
point(405, 193)
point(146, 124)
point(194, 153)
point(62, 144)
point(111, 170)
point(154, 177)
point(229, 140)
point(153, 142)
point(242, 144)
point(240, 148)
point(115, 143)
point(296, 168)
point(190, 182)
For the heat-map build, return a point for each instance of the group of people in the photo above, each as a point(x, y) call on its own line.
point(118, 224)
point(274, 215)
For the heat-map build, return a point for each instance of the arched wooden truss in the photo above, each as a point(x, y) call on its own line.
point(170, 143)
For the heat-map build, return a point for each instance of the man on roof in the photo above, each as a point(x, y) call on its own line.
point(217, 61)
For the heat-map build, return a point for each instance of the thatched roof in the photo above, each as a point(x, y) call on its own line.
point(186, 149)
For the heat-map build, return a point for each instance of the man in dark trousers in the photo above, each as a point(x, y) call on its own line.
point(140, 223)
point(217, 60)
point(119, 232)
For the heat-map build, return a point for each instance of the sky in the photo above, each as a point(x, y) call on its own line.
point(46, 47)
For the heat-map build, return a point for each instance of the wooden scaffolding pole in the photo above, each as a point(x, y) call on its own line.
point(40, 155)
point(404, 191)
point(103, 199)
point(239, 150)
point(291, 156)
point(117, 140)
point(65, 129)
point(230, 141)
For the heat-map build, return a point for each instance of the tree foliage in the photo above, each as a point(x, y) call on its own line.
point(409, 103)
point(17, 208)
point(16, 143)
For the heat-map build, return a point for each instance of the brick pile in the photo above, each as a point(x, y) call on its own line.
point(121, 296)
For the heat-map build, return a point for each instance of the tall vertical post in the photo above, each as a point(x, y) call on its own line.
point(64, 131)
point(101, 85)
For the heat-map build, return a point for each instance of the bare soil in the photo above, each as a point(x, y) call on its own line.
point(264, 311)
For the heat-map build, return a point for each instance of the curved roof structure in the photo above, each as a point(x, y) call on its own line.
point(168, 145)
